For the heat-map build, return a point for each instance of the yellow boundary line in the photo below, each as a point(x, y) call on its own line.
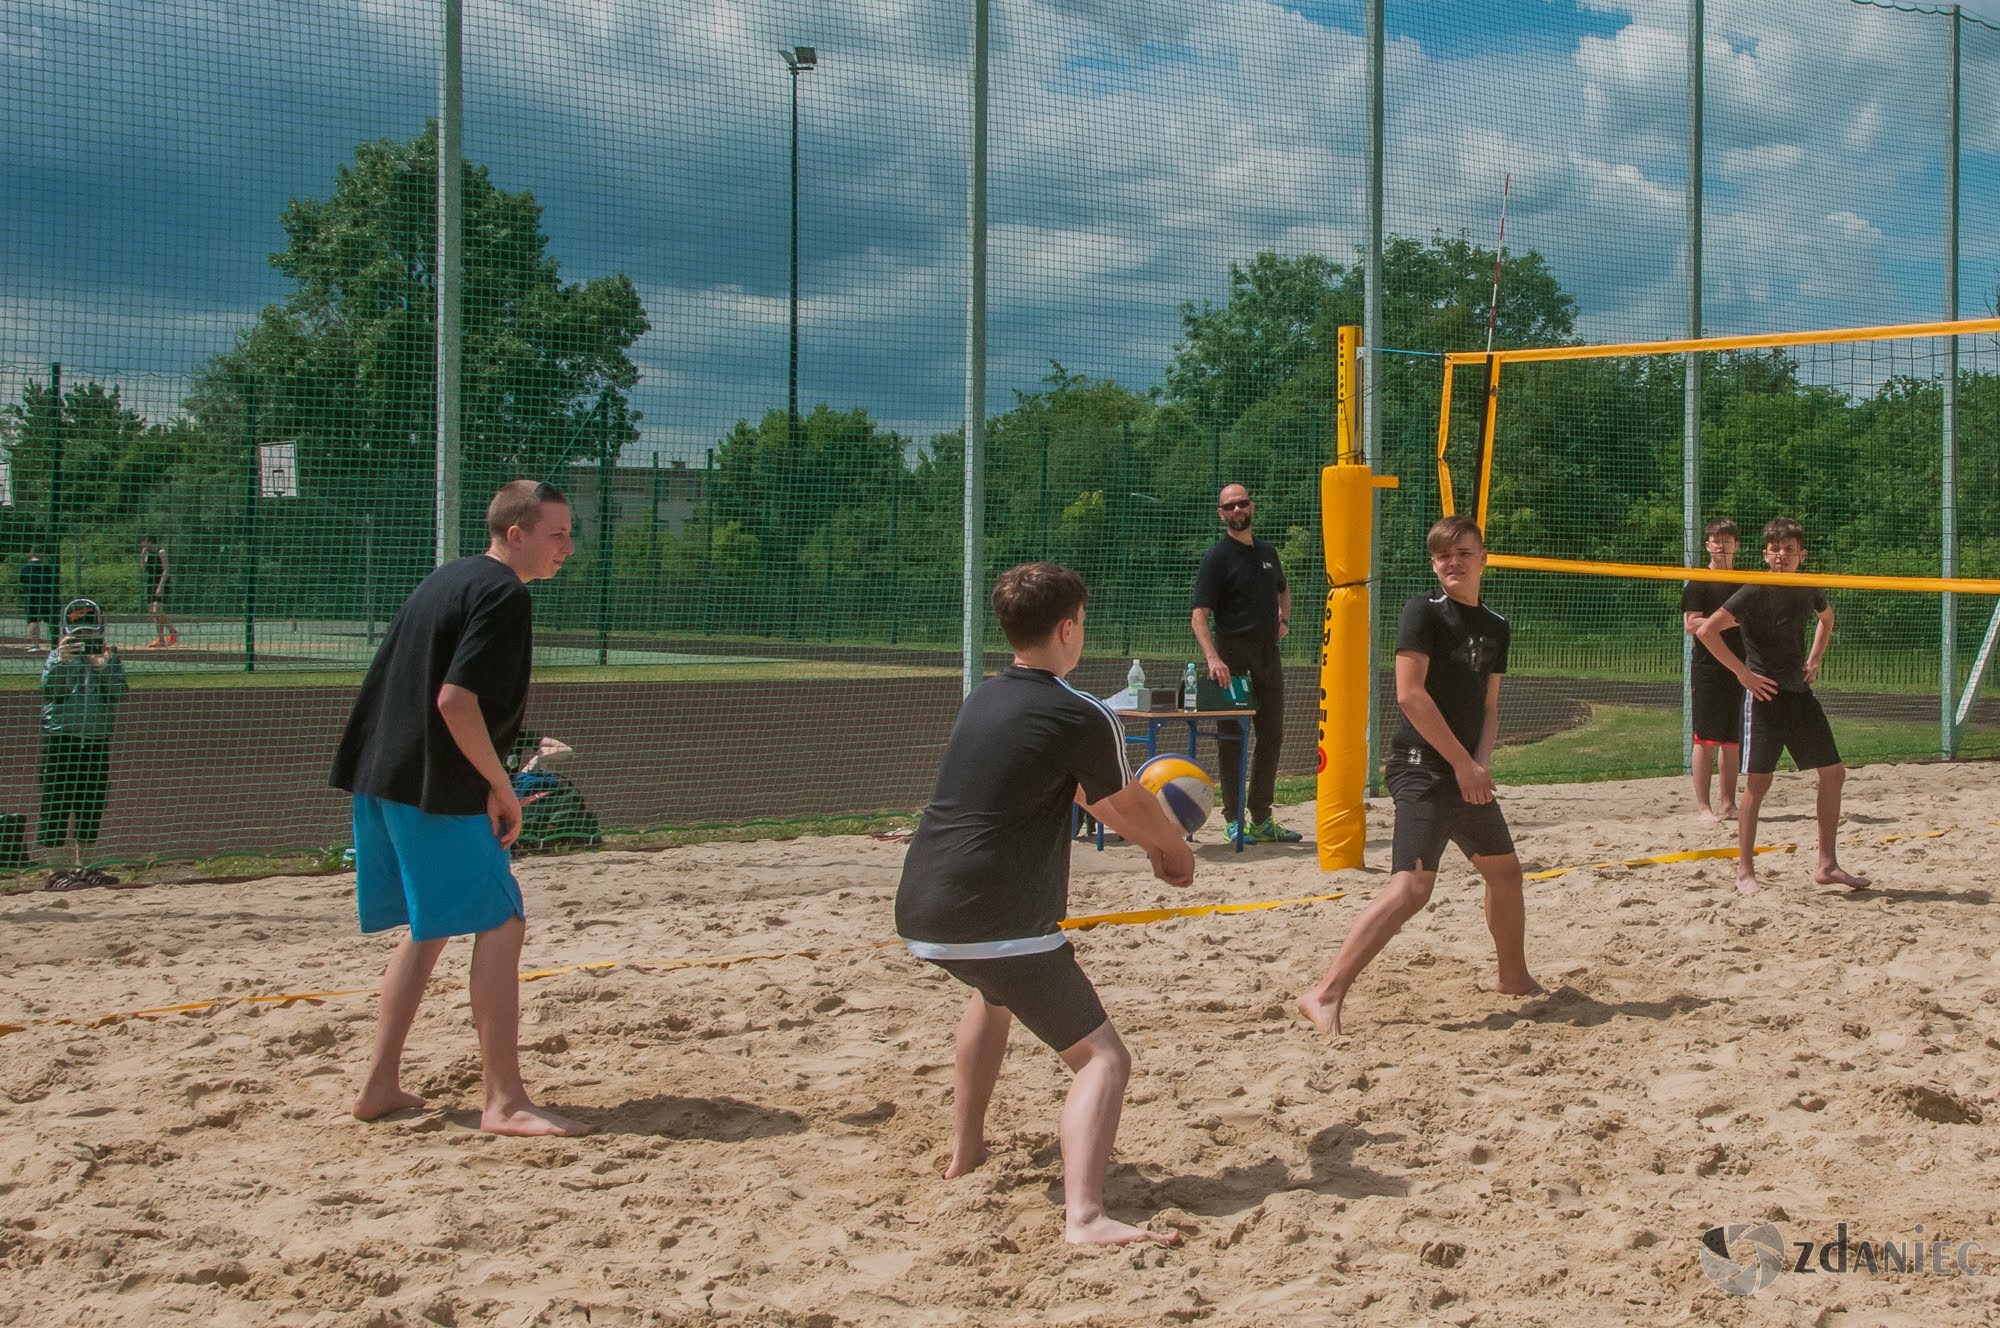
point(1125, 918)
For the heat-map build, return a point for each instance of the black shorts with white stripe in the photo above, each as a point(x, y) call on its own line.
point(1788, 722)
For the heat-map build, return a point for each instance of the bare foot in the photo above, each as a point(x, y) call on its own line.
point(1707, 815)
point(1527, 986)
point(373, 1104)
point(1103, 1230)
point(1746, 883)
point(1836, 875)
point(965, 1160)
point(531, 1121)
point(1728, 813)
point(1321, 1013)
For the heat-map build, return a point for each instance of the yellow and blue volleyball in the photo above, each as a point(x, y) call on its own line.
point(1182, 787)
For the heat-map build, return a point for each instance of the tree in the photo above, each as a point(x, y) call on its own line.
point(108, 452)
point(1233, 356)
point(344, 365)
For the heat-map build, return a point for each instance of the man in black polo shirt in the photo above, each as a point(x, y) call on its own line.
point(434, 806)
point(1242, 583)
point(986, 884)
point(1451, 651)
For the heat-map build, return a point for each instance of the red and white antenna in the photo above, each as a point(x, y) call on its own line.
point(1493, 306)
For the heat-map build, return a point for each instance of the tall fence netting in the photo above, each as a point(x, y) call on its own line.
point(221, 263)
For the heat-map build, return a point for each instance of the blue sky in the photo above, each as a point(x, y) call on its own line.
point(1137, 151)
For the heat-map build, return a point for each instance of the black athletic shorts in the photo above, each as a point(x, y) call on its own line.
point(1788, 722)
point(1047, 992)
point(1718, 708)
point(1431, 812)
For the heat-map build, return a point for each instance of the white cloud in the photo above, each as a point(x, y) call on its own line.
point(1137, 151)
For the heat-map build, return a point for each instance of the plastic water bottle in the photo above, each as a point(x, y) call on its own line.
point(1135, 680)
point(1188, 689)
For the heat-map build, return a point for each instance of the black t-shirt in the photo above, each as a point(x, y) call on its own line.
point(1774, 622)
point(1705, 597)
point(38, 589)
point(1467, 645)
point(1241, 582)
point(990, 860)
point(470, 623)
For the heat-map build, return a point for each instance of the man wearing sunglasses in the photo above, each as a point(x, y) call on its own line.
point(1242, 583)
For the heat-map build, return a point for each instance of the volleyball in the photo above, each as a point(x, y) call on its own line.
point(1182, 787)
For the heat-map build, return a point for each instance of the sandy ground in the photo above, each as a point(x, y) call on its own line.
point(772, 1130)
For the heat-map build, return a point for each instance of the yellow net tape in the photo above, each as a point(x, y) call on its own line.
point(1126, 918)
point(1829, 580)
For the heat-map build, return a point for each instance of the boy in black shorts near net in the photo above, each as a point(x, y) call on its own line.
point(1450, 652)
point(1777, 673)
point(1717, 696)
point(986, 884)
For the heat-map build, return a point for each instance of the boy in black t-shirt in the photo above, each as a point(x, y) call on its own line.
point(986, 884)
point(434, 806)
point(1717, 698)
point(1450, 653)
point(1777, 672)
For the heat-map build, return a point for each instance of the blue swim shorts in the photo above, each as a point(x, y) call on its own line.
point(437, 875)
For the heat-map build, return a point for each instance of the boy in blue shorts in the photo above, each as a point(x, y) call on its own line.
point(434, 807)
point(1451, 651)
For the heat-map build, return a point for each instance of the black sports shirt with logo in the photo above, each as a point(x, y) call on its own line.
point(987, 874)
point(1242, 583)
point(1467, 645)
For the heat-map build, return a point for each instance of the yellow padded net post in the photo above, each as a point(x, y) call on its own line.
point(1345, 677)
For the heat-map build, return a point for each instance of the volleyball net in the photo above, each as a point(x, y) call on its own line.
point(1594, 488)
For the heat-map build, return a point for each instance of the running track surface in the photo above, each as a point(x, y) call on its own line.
point(197, 773)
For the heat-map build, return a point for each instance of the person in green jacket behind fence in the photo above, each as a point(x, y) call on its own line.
point(82, 684)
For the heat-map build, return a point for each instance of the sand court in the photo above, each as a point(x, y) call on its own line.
point(772, 1129)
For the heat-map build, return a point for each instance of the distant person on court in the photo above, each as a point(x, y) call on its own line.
point(154, 575)
point(434, 807)
point(1717, 696)
point(1243, 584)
point(986, 884)
point(83, 683)
point(1777, 671)
point(39, 598)
point(1451, 651)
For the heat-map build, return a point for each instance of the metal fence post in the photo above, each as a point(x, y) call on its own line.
point(972, 635)
point(1948, 451)
point(1691, 519)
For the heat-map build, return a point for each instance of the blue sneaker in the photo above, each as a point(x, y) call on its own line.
point(1232, 832)
point(1268, 831)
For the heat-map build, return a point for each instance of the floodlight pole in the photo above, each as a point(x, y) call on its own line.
point(1948, 729)
point(972, 645)
point(450, 242)
point(1691, 520)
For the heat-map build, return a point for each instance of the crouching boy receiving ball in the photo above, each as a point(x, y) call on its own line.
point(1450, 652)
point(986, 884)
point(1777, 670)
point(434, 807)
